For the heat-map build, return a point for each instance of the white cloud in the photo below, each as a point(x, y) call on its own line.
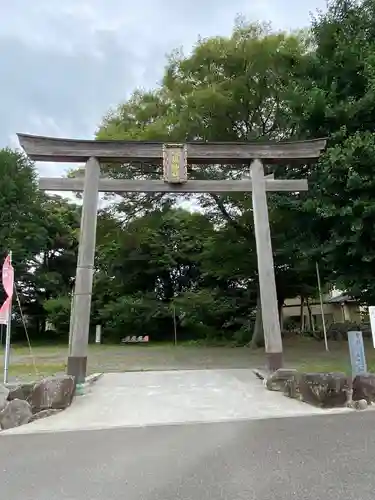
point(65, 63)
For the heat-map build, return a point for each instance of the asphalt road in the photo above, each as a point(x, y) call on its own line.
point(306, 458)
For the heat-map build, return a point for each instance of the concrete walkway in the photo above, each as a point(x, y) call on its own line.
point(172, 397)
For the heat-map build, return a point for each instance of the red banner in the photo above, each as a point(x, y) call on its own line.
point(8, 283)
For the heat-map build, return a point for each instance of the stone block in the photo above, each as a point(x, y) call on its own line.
point(364, 387)
point(21, 391)
point(326, 390)
point(52, 392)
point(276, 381)
point(17, 412)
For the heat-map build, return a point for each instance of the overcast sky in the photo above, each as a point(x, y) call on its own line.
point(64, 63)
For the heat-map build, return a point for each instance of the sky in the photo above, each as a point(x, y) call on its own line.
point(65, 63)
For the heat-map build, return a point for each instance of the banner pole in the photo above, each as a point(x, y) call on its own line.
point(8, 332)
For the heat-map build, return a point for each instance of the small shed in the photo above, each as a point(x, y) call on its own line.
point(337, 309)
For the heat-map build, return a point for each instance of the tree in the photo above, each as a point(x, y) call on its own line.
point(42, 234)
point(20, 209)
point(20, 217)
point(342, 107)
point(243, 87)
point(154, 259)
point(52, 270)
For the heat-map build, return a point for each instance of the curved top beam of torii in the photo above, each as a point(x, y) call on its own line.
point(40, 148)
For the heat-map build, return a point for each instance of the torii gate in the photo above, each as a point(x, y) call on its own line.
point(174, 158)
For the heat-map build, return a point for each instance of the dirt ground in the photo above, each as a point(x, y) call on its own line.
point(305, 354)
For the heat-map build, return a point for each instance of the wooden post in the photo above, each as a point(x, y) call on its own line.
point(267, 283)
point(81, 305)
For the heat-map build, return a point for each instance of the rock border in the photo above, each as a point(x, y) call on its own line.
point(24, 402)
point(321, 389)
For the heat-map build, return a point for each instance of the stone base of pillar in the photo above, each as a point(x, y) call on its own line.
point(274, 361)
point(77, 366)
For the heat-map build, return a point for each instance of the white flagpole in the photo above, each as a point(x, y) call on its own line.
point(7, 338)
point(322, 307)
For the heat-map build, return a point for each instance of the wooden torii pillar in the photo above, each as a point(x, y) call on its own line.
point(174, 158)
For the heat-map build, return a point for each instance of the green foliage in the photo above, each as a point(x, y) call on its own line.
point(136, 314)
point(248, 86)
point(19, 208)
point(342, 211)
point(202, 314)
point(58, 311)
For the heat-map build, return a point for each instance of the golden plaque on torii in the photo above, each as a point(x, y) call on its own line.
point(175, 163)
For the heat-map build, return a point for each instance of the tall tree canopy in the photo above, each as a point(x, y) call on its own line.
point(248, 86)
point(341, 76)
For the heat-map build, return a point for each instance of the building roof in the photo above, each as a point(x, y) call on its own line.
point(339, 299)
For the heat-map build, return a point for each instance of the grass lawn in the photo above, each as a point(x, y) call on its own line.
point(309, 355)
point(300, 353)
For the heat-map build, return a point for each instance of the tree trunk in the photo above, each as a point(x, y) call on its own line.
point(280, 304)
point(311, 322)
point(302, 316)
point(258, 335)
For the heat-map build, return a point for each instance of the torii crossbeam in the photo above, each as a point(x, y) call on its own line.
point(174, 158)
